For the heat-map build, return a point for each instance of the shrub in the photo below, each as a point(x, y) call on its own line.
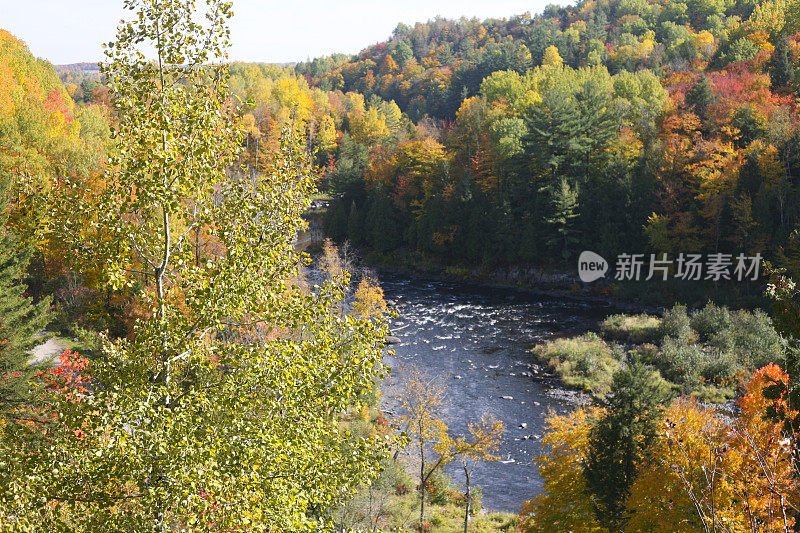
point(676, 324)
point(635, 329)
point(438, 488)
point(647, 352)
point(681, 362)
point(710, 320)
point(720, 367)
point(752, 338)
point(585, 362)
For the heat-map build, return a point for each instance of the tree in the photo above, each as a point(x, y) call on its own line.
point(483, 441)
point(619, 443)
point(422, 400)
point(781, 68)
point(222, 410)
point(597, 126)
point(564, 504)
point(21, 320)
point(551, 57)
point(701, 96)
point(564, 206)
point(785, 394)
point(368, 299)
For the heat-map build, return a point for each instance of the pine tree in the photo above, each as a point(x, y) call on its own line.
point(21, 320)
point(335, 221)
point(701, 96)
point(597, 125)
point(565, 206)
point(781, 68)
point(551, 127)
point(355, 225)
point(619, 441)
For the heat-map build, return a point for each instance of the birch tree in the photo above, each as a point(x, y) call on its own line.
point(223, 407)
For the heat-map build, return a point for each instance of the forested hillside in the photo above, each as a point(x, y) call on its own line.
point(627, 126)
point(208, 375)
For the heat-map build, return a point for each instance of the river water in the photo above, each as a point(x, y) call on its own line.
point(478, 340)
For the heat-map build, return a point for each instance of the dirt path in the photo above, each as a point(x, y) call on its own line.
point(47, 351)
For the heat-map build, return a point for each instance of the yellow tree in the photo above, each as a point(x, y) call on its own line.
point(564, 504)
point(422, 399)
point(716, 171)
point(368, 299)
point(684, 489)
point(480, 444)
point(551, 57)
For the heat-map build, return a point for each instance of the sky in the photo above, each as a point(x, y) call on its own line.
point(262, 30)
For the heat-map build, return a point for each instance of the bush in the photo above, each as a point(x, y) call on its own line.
point(681, 362)
point(636, 329)
point(710, 320)
point(720, 367)
point(647, 352)
point(676, 324)
point(585, 362)
point(752, 338)
point(438, 488)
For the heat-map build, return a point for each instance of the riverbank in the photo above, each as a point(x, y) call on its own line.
point(559, 282)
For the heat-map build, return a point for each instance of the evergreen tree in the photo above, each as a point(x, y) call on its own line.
point(355, 225)
point(21, 320)
point(701, 96)
point(781, 69)
point(384, 233)
point(565, 205)
point(786, 409)
point(619, 441)
point(596, 126)
point(551, 127)
point(335, 222)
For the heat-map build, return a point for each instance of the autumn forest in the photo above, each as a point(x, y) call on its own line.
point(208, 273)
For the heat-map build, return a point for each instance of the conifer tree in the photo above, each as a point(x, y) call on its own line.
point(21, 320)
point(701, 96)
point(564, 204)
point(781, 68)
point(619, 441)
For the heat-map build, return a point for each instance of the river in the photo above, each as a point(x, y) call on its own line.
point(478, 340)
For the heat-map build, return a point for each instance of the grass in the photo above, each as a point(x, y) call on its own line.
point(586, 362)
point(709, 353)
point(321, 196)
point(635, 329)
point(403, 515)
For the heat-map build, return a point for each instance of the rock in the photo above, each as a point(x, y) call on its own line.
point(392, 339)
point(537, 404)
point(537, 437)
point(456, 377)
point(523, 425)
point(507, 397)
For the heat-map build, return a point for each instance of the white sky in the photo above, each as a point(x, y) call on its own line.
point(71, 31)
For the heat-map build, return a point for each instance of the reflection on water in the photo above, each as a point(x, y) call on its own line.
point(478, 340)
